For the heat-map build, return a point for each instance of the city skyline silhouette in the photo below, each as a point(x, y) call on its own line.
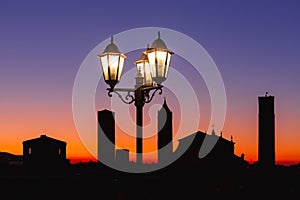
point(266, 129)
point(221, 172)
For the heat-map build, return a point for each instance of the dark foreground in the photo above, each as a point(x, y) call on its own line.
point(88, 182)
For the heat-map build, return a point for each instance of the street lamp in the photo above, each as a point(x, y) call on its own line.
point(112, 61)
point(152, 69)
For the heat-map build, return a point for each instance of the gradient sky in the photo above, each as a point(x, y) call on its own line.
point(255, 45)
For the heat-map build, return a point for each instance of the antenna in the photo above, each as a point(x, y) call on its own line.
point(213, 130)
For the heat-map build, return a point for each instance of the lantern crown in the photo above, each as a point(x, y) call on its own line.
point(159, 43)
point(143, 58)
point(111, 48)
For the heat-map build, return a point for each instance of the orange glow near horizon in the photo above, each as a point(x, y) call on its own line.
point(241, 122)
point(77, 152)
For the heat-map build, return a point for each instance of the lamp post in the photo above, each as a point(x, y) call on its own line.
point(152, 69)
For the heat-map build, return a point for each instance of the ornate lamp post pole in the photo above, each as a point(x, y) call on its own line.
point(152, 69)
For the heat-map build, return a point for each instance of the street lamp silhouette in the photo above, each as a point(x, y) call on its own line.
point(152, 70)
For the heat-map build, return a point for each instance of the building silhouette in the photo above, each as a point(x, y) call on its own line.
point(222, 153)
point(122, 157)
point(106, 136)
point(165, 133)
point(266, 131)
point(44, 155)
point(218, 170)
point(9, 160)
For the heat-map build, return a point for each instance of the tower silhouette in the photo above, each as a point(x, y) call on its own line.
point(266, 131)
point(106, 136)
point(165, 133)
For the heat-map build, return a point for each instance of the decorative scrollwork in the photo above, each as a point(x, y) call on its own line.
point(148, 98)
point(143, 94)
point(129, 98)
point(109, 93)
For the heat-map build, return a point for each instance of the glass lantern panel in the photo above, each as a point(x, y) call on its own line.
point(161, 60)
point(113, 66)
point(168, 64)
point(104, 64)
point(151, 58)
point(121, 65)
point(147, 74)
point(140, 67)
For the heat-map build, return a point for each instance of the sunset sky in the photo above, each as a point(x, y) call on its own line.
point(254, 44)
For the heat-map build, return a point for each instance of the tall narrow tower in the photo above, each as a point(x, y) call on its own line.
point(266, 131)
point(106, 136)
point(165, 133)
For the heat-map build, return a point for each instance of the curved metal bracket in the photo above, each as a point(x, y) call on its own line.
point(109, 93)
point(148, 98)
point(143, 96)
point(128, 99)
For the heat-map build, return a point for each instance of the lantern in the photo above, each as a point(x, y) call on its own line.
point(159, 57)
point(143, 67)
point(112, 62)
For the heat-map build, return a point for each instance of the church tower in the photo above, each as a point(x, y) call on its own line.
point(266, 131)
point(165, 133)
point(106, 136)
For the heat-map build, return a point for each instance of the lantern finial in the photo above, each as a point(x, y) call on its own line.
point(111, 48)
